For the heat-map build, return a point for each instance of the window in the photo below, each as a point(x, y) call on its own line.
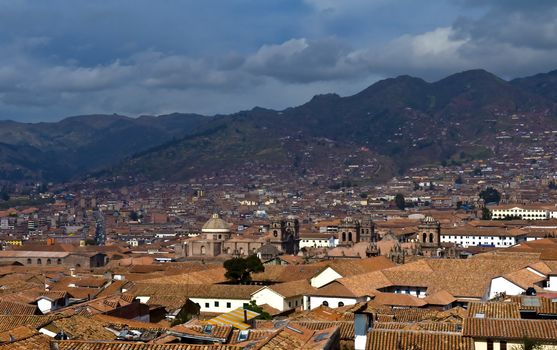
point(325, 303)
point(289, 304)
point(29, 261)
point(39, 262)
point(48, 261)
point(489, 344)
point(216, 304)
point(503, 345)
point(207, 305)
point(228, 305)
point(340, 304)
point(203, 250)
point(59, 261)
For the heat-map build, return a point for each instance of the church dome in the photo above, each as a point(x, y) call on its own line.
point(429, 220)
point(216, 225)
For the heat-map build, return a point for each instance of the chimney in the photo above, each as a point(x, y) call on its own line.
point(245, 315)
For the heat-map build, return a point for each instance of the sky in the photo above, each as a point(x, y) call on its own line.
point(136, 57)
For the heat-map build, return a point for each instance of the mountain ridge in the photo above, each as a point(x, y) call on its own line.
point(402, 122)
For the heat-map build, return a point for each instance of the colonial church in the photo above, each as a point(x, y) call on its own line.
point(217, 239)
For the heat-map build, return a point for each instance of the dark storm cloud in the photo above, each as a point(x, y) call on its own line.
point(135, 57)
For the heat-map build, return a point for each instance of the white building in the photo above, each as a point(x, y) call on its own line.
point(317, 240)
point(487, 237)
point(283, 296)
point(524, 212)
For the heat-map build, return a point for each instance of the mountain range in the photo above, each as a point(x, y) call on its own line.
point(392, 125)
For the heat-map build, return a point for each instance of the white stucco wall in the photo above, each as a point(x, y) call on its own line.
point(222, 304)
point(44, 305)
point(316, 301)
point(270, 297)
point(503, 285)
point(552, 284)
point(325, 277)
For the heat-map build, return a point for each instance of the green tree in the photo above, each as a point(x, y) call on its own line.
point(528, 344)
point(134, 216)
point(486, 214)
point(263, 315)
point(238, 270)
point(490, 195)
point(400, 201)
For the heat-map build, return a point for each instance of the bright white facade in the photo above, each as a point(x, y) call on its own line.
point(322, 241)
point(330, 301)
point(475, 237)
point(524, 212)
point(324, 277)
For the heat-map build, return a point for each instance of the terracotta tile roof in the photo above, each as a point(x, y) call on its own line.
point(323, 313)
point(254, 335)
point(416, 326)
point(194, 290)
point(86, 345)
point(119, 323)
point(217, 331)
point(294, 288)
point(494, 310)
point(37, 342)
point(441, 297)
point(170, 302)
point(18, 333)
point(381, 339)
point(81, 327)
point(287, 273)
point(353, 267)
point(14, 308)
point(335, 288)
point(34, 321)
point(524, 278)
point(346, 328)
point(543, 306)
point(398, 300)
point(207, 276)
point(388, 314)
point(299, 337)
point(510, 328)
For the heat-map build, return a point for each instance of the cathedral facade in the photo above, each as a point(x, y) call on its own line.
point(216, 239)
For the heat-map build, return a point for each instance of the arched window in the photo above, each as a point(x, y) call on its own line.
point(29, 261)
point(350, 236)
point(39, 262)
point(275, 233)
point(325, 303)
point(59, 261)
point(344, 236)
point(48, 261)
point(431, 238)
point(340, 304)
point(424, 237)
point(202, 250)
